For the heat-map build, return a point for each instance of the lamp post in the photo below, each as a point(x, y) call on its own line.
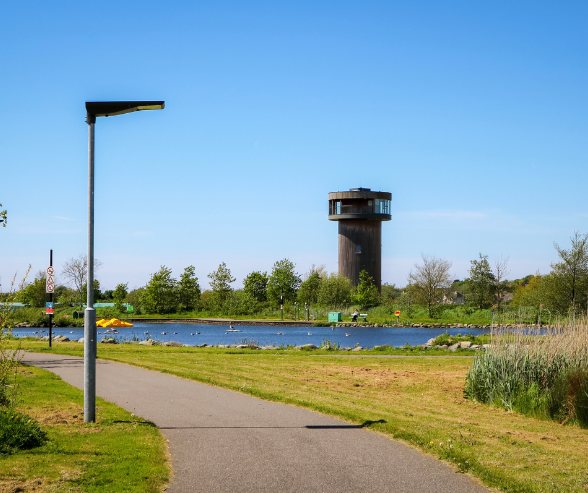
point(94, 109)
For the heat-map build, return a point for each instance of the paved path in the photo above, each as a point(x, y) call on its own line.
point(223, 441)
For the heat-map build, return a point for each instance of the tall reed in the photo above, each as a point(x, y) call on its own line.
point(539, 372)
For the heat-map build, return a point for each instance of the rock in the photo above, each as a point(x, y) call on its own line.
point(61, 339)
point(486, 346)
point(357, 348)
point(223, 346)
point(454, 347)
point(376, 325)
point(475, 346)
point(81, 340)
point(308, 346)
point(148, 342)
point(242, 346)
point(465, 344)
point(108, 341)
point(346, 348)
point(173, 344)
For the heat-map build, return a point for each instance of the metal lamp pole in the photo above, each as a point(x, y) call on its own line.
point(94, 109)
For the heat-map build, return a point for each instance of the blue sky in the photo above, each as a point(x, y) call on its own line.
point(473, 114)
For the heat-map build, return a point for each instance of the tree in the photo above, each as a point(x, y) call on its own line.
point(160, 293)
point(390, 293)
point(367, 292)
point(75, 271)
point(255, 285)
point(119, 295)
point(500, 282)
point(35, 293)
point(188, 289)
point(96, 293)
point(4, 216)
point(431, 280)
point(335, 291)
point(284, 280)
point(134, 299)
point(309, 288)
point(570, 275)
point(66, 295)
point(220, 283)
point(481, 282)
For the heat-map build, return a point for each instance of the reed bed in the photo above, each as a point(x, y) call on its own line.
point(537, 372)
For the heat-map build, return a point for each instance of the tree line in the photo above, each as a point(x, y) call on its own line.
point(562, 291)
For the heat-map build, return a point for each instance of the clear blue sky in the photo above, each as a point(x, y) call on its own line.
point(473, 114)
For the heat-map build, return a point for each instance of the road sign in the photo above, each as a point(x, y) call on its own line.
point(49, 308)
point(50, 270)
point(397, 313)
point(50, 283)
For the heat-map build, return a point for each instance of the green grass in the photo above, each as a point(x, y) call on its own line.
point(419, 400)
point(119, 453)
point(544, 376)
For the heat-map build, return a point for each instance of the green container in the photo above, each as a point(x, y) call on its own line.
point(334, 316)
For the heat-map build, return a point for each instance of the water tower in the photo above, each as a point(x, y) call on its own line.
point(360, 213)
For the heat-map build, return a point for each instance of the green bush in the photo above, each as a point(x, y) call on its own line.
point(544, 376)
point(18, 431)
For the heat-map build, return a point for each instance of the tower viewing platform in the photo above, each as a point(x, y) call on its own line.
point(360, 213)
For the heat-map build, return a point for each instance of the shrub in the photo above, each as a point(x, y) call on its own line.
point(542, 374)
point(18, 431)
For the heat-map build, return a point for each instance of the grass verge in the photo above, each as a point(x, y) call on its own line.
point(419, 400)
point(119, 453)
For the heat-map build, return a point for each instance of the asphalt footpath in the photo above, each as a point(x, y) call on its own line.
point(223, 441)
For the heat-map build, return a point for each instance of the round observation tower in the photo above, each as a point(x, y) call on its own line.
point(360, 213)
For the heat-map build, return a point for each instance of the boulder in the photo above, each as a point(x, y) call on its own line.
point(466, 344)
point(61, 339)
point(346, 348)
point(109, 340)
point(242, 346)
point(454, 347)
point(357, 348)
point(173, 344)
point(148, 342)
point(309, 346)
point(81, 340)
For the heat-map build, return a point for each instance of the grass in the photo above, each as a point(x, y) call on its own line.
point(543, 375)
point(118, 453)
point(419, 400)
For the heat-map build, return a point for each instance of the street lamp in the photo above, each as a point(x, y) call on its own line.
point(94, 109)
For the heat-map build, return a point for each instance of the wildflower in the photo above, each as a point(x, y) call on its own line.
point(448, 440)
point(441, 444)
point(431, 442)
point(450, 446)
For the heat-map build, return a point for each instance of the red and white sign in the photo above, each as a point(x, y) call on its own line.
point(50, 286)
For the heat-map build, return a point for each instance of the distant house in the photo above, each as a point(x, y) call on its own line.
point(454, 298)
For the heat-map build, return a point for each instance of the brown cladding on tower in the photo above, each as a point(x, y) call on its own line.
point(360, 213)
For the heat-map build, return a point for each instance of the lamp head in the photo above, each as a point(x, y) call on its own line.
point(113, 108)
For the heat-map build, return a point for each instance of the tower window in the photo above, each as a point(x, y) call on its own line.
point(357, 249)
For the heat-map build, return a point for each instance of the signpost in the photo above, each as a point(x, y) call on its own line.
point(50, 288)
point(397, 313)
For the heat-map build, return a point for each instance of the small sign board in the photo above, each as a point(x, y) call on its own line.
point(50, 286)
point(397, 313)
point(49, 308)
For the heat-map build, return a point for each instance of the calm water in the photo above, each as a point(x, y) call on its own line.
point(264, 335)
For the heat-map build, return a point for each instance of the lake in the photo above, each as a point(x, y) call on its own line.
point(195, 334)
